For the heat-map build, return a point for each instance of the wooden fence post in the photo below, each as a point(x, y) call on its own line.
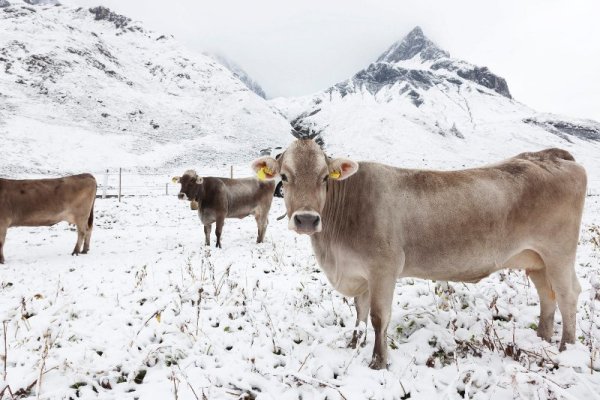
point(166, 189)
point(231, 171)
point(120, 172)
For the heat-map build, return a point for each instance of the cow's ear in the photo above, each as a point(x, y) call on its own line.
point(266, 168)
point(342, 168)
point(175, 179)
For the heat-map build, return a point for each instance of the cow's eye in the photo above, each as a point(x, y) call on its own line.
point(284, 177)
point(325, 178)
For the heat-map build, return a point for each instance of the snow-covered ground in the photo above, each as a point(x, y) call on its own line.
point(150, 313)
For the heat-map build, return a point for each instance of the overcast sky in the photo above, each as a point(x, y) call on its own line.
point(548, 50)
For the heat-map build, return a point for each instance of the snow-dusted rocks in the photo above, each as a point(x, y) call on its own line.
point(417, 106)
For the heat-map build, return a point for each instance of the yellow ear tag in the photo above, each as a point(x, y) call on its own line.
point(175, 179)
point(264, 172)
point(335, 174)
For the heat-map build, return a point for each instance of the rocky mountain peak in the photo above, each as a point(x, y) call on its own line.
point(412, 44)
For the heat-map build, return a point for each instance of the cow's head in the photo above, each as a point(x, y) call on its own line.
point(305, 170)
point(191, 186)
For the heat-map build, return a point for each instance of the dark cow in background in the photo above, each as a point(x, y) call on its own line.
point(45, 202)
point(371, 224)
point(220, 198)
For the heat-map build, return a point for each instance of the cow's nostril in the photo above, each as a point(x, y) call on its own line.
point(316, 221)
point(297, 220)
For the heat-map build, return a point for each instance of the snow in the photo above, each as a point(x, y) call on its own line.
point(262, 319)
point(147, 101)
point(152, 313)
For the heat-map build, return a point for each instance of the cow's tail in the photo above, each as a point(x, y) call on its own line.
point(91, 217)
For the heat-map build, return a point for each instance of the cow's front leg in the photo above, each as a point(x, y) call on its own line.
point(207, 229)
point(361, 303)
point(3, 230)
point(381, 290)
point(219, 230)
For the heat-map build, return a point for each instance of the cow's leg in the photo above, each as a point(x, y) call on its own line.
point(81, 229)
point(86, 240)
point(563, 281)
point(381, 290)
point(3, 230)
point(361, 303)
point(567, 295)
point(547, 303)
point(219, 229)
point(261, 223)
point(207, 228)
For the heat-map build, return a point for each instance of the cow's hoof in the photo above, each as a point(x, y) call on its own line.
point(84, 252)
point(378, 363)
point(544, 333)
point(352, 343)
point(75, 253)
point(1, 260)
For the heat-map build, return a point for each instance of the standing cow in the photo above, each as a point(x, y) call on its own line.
point(371, 224)
point(220, 198)
point(45, 202)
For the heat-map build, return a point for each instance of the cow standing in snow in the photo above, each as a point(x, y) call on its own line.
point(220, 198)
point(45, 202)
point(371, 224)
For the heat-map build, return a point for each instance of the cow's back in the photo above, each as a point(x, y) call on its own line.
point(245, 195)
point(432, 220)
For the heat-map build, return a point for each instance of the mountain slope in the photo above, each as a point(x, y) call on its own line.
point(415, 104)
point(239, 73)
point(90, 89)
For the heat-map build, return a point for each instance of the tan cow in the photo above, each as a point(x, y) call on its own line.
point(220, 198)
point(45, 202)
point(371, 224)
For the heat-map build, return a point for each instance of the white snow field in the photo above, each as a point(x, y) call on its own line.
point(151, 313)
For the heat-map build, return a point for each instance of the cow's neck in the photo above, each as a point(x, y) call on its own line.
point(337, 216)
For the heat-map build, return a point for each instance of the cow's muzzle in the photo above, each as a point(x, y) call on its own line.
point(182, 196)
point(305, 222)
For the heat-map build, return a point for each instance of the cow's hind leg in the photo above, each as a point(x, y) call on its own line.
point(219, 229)
point(207, 228)
point(3, 230)
point(361, 303)
point(564, 283)
point(81, 231)
point(261, 223)
point(86, 240)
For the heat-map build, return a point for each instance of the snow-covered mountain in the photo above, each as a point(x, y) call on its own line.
point(88, 89)
point(417, 105)
point(239, 73)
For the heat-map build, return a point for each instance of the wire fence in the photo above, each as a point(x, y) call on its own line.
point(118, 183)
point(124, 183)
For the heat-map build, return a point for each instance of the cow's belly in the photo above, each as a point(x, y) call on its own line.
point(470, 266)
point(43, 219)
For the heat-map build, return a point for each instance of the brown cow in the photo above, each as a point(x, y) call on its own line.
point(220, 198)
point(45, 202)
point(371, 224)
